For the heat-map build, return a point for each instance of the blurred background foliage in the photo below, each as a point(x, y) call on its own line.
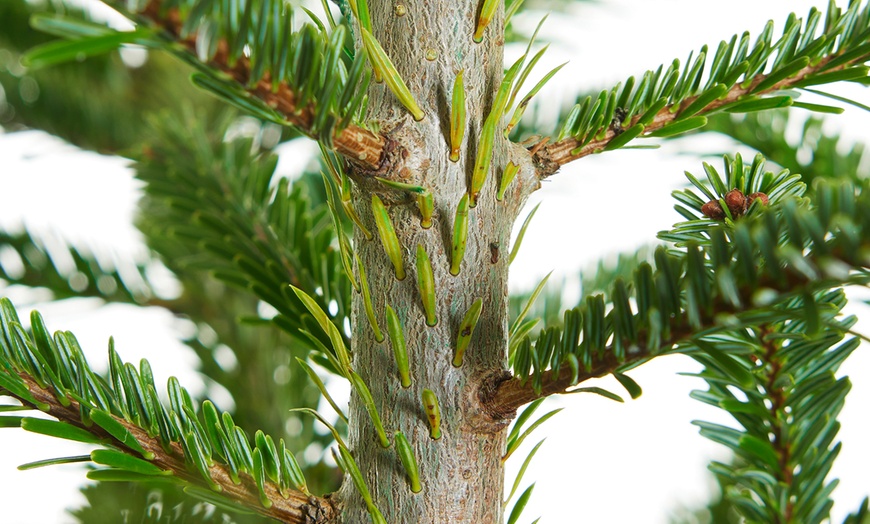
point(100, 103)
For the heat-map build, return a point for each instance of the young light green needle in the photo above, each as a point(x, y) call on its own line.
point(388, 236)
point(369, 402)
point(322, 387)
point(524, 103)
point(426, 205)
point(426, 285)
point(516, 247)
point(487, 12)
point(328, 327)
point(425, 202)
point(466, 330)
point(406, 455)
point(347, 204)
point(381, 63)
point(433, 413)
point(488, 134)
point(400, 349)
point(457, 117)
point(335, 169)
point(351, 468)
point(510, 171)
point(367, 300)
point(460, 235)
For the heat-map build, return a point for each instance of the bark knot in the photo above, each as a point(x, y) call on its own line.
point(392, 156)
point(314, 511)
point(493, 417)
point(544, 163)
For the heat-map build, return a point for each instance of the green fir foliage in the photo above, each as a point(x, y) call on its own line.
point(742, 76)
point(311, 62)
point(749, 284)
point(80, 101)
point(731, 274)
point(130, 417)
point(819, 154)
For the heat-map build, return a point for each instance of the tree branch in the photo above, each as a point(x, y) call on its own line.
point(359, 145)
point(501, 399)
point(782, 441)
point(550, 158)
point(508, 395)
point(295, 508)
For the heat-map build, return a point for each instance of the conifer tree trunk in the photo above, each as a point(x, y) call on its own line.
point(461, 473)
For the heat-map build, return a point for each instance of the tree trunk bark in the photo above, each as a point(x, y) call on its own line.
point(430, 41)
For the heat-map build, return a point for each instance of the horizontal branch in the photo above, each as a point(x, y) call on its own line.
point(296, 508)
point(550, 158)
point(737, 278)
point(359, 145)
point(509, 395)
point(505, 397)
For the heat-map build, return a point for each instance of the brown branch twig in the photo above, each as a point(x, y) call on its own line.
point(504, 398)
point(554, 156)
point(359, 145)
point(780, 442)
point(296, 508)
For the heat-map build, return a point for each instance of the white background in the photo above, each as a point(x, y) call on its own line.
point(603, 462)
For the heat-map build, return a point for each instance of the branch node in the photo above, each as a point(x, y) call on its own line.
point(314, 511)
point(495, 414)
point(392, 155)
point(544, 163)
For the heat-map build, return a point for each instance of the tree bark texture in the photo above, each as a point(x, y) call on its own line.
point(430, 42)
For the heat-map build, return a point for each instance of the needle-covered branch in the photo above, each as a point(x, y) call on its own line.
point(781, 385)
point(733, 274)
point(249, 55)
point(141, 438)
point(833, 155)
point(297, 105)
point(738, 80)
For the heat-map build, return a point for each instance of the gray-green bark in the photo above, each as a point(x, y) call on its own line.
point(461, 473)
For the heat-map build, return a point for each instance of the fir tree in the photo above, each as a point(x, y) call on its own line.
point(389, 270)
